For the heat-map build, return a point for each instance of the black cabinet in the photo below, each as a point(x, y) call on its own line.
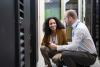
point(7, 33)
point(92, 21)
point(15, 33)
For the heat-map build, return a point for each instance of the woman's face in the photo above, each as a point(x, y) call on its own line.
point(52, 24)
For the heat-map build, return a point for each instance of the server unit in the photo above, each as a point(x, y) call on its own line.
point(33, 32)
point(7, 33)
point(92, 21)
point(17, 33)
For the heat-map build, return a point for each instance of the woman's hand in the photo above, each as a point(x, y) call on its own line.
point(53, 46)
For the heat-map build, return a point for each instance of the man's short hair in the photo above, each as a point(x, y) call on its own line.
point(71, 13)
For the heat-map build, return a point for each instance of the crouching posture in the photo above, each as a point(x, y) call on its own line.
point(54, 33)
point(81, 51)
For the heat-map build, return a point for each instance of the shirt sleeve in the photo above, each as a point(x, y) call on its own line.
point(76, 40)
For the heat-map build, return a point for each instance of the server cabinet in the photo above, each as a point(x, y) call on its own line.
point(15, 33)
point(34, 32)
point(7, 33)
point(22, 29)
point(92, 21)
point(95, 24)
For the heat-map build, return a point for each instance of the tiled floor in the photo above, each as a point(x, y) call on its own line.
point(96, 64)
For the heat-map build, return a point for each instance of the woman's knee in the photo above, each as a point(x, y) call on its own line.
point(43, 48)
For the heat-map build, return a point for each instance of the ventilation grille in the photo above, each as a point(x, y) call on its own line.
point(21, 33)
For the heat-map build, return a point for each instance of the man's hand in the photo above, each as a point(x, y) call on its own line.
point(53, 46)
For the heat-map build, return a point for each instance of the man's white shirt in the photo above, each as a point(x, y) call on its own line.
point(81, 39)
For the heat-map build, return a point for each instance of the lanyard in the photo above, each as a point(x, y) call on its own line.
point(75, 28)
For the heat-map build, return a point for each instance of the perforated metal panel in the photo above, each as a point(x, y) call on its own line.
point(21, 33)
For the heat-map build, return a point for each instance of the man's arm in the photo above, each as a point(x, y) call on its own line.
point(76, 40)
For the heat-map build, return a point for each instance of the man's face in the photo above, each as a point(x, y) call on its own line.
point(68, 20)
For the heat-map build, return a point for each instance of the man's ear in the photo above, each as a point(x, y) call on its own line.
point(70, 18)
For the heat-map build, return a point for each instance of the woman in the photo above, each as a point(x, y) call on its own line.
point(54, 32)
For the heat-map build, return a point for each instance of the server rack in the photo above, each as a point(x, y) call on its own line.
point(34, 32)
point(22, 29)
point(7, 33)
point(92, 21)
point(15, 33)
point(95, 24)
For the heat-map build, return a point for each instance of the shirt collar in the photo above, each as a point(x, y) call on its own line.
point(75, 23)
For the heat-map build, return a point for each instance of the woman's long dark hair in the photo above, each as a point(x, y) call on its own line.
point(47, 30)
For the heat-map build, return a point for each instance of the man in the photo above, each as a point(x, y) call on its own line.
point(81, 51)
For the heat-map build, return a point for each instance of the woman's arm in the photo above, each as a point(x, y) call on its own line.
point(45, 40)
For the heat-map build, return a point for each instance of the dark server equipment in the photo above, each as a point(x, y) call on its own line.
point(15, 33)
point(7, 33)
point(95, 24)
point(92, 21)
point(22, 33)
point(33, 32)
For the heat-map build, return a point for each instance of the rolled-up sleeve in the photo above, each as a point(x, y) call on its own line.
point(76, 40)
